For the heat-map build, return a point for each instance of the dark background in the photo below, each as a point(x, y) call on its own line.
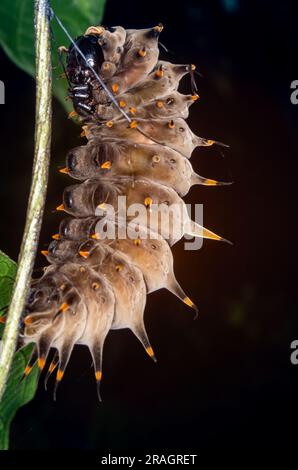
point(225, 380)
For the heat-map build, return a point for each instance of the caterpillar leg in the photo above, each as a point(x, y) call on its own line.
point(196, 230)
point(174, 287)
point(64, 355)
point(32, 361)
point(97, 353)
point(140, 333)
point(54, 363)
point(60, 51)
point(197, 179)
point(43, 347)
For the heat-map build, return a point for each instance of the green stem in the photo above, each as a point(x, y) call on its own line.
point(38, 188)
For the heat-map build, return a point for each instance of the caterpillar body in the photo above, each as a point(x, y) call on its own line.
point(138, 147)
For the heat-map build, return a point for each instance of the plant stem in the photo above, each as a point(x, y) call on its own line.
point(38, 187)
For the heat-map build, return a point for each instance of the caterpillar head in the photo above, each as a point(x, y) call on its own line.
point(77, 70)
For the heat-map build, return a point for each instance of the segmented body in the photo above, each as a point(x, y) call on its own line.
point(93, 285)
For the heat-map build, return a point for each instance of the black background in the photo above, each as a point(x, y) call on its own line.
point(225, 380)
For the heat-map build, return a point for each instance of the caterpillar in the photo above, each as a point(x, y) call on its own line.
point(138, 148)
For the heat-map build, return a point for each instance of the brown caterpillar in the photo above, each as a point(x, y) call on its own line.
point(139, 147)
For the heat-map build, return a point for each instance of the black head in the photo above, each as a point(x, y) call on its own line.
point(77, 70)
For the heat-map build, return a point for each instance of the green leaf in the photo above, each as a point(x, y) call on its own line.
point(8, 269)
point(17, 392)
point(17, 33)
